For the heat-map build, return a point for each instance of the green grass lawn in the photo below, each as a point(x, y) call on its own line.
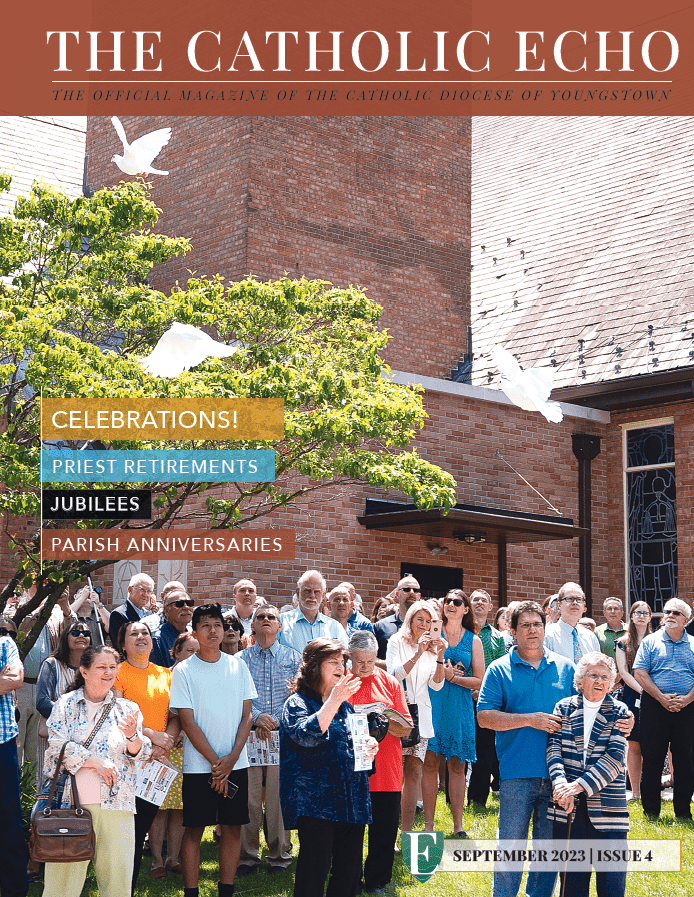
point(478, 825)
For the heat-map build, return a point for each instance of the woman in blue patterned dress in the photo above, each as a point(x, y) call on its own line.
point(322, 795)
point(452, 711)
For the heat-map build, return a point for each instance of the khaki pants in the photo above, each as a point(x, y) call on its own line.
point(113, 859)
point(278, 840)
point(28, 723)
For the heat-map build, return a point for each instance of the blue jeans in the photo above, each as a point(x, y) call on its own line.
point(13, 868)
point(519, 801)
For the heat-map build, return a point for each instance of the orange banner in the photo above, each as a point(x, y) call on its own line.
point(393, 57)
point(171, 544)
point(153, 419)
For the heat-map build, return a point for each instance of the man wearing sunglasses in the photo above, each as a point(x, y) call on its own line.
point(271, 666)
point(407, 593)
point(174, 619)
point(664, 668)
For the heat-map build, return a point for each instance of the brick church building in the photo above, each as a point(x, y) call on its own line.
point(566, 241)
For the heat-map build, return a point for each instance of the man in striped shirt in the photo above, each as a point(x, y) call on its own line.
point(271, 666)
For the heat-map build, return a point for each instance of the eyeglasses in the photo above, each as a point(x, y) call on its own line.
point(80, 632)
point(182, 603)
point(641, 613)
point(673, 613)
point(12, 634)
point(410, 589)
point(596, 678)
point(574, 600)
point(455, 601)
point(143, 589)
point(265, 617)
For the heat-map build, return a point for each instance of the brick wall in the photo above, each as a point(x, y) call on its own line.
point(462, 436)
point(379, 202)
point(384, 203)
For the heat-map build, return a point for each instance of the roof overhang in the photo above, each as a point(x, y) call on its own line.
point(632, 392)
point(491, 524)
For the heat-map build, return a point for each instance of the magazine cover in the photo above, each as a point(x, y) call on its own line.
point(400, 296)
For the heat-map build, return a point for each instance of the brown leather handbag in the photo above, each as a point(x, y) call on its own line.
point(65, 835)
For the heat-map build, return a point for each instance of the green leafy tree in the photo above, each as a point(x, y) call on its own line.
point(77, 313)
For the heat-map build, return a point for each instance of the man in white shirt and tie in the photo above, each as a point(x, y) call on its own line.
point(565, 637)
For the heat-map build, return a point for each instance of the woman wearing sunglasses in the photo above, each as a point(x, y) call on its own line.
point(415, 658)
point(233, 640)
point(452, 709)
point(55, 675)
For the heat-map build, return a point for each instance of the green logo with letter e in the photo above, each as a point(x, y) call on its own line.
point(422, 852)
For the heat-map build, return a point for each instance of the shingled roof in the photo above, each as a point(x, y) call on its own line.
point(583, 246)
point(41, 148)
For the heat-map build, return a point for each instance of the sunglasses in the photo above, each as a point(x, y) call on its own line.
point(265, 617)
point(77, 632)
point(457, 602)
point(673, 613)
point(12, 634)
point(184, 602)
point(410, 589)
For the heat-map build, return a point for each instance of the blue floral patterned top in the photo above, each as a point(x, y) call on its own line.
point(68, 722)
point(317, 776)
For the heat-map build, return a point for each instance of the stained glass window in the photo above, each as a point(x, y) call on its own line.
point(652, 515)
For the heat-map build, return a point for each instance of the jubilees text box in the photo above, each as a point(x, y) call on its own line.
point(96, 504)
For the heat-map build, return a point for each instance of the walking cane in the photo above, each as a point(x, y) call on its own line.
point(569, 820)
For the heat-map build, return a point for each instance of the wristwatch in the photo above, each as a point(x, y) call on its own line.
point(131, 737)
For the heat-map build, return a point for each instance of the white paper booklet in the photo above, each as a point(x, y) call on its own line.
point(263, 753)
point(154, 780)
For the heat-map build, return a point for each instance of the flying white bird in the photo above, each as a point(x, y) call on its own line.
point(528, 389)
point(183, 347)
point(138, 156)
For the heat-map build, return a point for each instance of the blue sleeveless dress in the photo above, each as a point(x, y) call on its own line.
point(452, 712)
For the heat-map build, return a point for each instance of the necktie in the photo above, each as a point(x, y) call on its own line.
point(578, 653)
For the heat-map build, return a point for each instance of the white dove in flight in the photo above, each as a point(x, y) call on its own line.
point(183, 347)
point(528, 389)
point(138, 156)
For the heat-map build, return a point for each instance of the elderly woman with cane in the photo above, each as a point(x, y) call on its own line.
point(586, 760)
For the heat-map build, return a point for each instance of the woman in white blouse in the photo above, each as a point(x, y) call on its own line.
point(105, 772)
point(415, 658)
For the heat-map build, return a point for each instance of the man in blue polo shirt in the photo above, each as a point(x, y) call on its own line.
point(517, 697)
point(664, 667)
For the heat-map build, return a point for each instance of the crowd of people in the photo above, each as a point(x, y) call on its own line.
point(543, 707)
